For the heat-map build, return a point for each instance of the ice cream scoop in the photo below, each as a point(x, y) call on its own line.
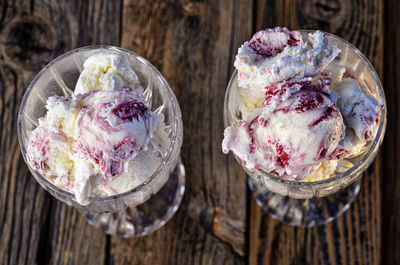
point(299, 112)
point(112, 127)
point(52, 155)
point(106, 71)
point(274, 55)
point(361, 113)
point(102, 140)
point(291, 138)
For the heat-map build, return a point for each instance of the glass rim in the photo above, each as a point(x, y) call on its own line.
point(365, 156)
point(174, 132)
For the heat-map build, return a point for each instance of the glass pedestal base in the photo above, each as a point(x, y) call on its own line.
point(148, 216)
point(304, 212)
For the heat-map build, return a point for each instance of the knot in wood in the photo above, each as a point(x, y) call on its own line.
point(29, 42)
point(327, 9)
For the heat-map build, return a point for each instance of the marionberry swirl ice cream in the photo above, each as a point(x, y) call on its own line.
point(300, 112)
point(103, 139)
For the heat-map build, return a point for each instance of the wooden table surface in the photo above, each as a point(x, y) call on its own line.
point(193, 44)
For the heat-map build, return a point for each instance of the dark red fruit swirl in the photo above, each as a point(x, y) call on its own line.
point(309, 101)
point(281, 88)
point(284, 157)
point(267, 49)
point(130, 110)
point(126, 148)
point(264, 49)
point(329, 111)
point(251, 129)
point(110, 168)
point(292, 40)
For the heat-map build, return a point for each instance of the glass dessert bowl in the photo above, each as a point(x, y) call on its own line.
point(149, 205)
point(318, 202)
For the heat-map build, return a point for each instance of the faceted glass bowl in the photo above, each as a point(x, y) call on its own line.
point(59, 78)
point(349, 170)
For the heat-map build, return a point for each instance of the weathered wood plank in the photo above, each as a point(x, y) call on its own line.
point(355, 237)
point(35, 228)
point(391, 147)
point(71, 240)
point(193, 43)
point(26, 44)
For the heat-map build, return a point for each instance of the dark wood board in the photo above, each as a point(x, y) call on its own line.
point(193, 44)
point(391, 145)
point(35, 228)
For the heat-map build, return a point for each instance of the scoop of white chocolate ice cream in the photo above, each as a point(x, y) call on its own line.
point(107, 71)
point(102, 140)
point(290, 139)
point(299, 111)
point(274, 55)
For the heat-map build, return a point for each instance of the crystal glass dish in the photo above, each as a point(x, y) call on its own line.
point(307, 203)
point(149, 205)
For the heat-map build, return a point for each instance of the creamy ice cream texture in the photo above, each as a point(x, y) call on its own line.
point(111, 72)
point(299, 113)
point(102, 140)
point(274, 55)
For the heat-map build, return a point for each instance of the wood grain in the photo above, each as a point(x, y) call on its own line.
point(355, 238)
point(70, 239)
point(27, 43)
point(35, 228)
point(391, 147)
point(193, 43)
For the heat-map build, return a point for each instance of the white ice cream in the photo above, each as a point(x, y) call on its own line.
point(274, 55)
point(299, 113)
point(103, 140)
point(292, 138)
point(107, 71)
